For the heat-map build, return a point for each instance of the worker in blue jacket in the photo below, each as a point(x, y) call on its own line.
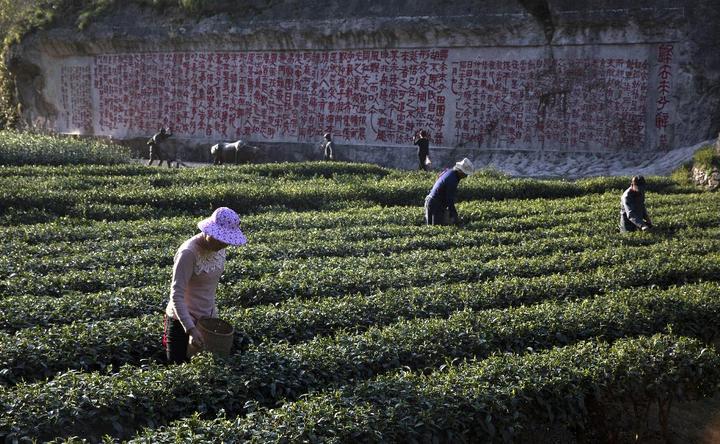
point(440, 203)
point(633, 214)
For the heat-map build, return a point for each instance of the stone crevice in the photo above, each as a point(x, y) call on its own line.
point(540, 10)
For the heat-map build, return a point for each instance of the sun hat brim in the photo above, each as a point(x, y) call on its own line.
point(465, 170)
point(230, 236)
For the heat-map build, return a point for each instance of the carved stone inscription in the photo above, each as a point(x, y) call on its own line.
point(576, 98)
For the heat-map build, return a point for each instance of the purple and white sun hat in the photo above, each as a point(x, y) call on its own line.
point(223, 225)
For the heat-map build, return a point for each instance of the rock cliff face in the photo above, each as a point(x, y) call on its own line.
point(557, 86)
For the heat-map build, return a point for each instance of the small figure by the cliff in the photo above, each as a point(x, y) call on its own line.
point(423, 151)
point(633, 214)
point(440, 202)
point(717, 144)
point(328, 147)
point(156, 150)
point(226, 151)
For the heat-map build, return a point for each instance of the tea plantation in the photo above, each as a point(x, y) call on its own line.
point(357, 322)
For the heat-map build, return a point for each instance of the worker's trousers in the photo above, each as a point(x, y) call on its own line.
point(176, 341)
point(435, 213)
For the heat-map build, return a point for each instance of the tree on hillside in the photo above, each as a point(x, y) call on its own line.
point(11, 12)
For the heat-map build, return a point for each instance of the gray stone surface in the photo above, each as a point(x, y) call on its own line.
point(706, 179)
point(501, 30)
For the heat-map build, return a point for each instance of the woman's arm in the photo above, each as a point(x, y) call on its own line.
point(182, 271)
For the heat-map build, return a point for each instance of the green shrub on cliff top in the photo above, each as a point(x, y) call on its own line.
point(706, 158)
point(17, 18)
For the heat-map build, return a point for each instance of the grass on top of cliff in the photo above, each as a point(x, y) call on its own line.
point(18, 17)
point(183, 8)
point(35, 149)
point(706, 158)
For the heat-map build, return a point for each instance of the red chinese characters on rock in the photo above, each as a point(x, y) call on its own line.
point(379, 97)
point(361, 96)
point(137, 92)
point(75, 98)
point(556, 104)
point(664, 78)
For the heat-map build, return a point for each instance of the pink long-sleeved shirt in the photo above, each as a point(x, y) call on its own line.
point(196, 273)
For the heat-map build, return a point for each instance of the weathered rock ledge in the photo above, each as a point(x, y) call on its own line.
point(61, 87)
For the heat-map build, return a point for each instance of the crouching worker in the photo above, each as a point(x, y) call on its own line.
point(198, 264)
point(633, 215)
point(440, 203)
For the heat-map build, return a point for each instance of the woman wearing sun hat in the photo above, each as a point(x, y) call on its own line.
point(198, 265)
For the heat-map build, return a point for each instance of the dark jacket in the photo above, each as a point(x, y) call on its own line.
point(442, 194)
point(423, 145)
point(633, 214)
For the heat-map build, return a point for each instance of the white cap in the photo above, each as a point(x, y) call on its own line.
point(465, 166)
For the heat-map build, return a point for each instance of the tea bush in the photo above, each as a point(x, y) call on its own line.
point(27, 148)
point(345, 302)
point(273, 371)
point(504, 398)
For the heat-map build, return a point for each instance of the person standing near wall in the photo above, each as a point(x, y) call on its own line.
point(440, 202)
point(156, 150)
point(423, 151)
point(328, 147)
